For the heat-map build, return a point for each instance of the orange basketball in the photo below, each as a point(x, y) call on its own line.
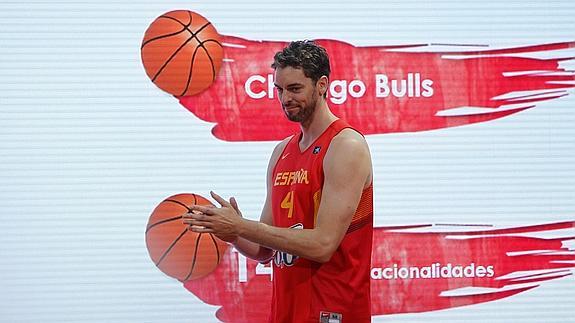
point(177, 251)
point(182, 52)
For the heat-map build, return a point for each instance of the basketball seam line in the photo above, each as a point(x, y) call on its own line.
point(170, 17)
point(171, 246)
point(191, 69)
point(163, 221)
point(195, 255)
point(180, 203)
point(216, 245)
point(170, 58)
point(173, 218)
point(198, 31)
point(162, 36)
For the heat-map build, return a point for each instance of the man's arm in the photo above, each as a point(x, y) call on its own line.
point(250, 249)
point(347, 170)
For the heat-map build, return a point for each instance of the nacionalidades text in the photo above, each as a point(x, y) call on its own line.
point(436, 270)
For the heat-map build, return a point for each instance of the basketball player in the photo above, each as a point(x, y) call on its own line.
point(317, 220)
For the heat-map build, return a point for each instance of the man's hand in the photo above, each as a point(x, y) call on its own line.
point(222, 221)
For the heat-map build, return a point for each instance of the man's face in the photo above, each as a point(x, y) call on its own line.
point(297, 93)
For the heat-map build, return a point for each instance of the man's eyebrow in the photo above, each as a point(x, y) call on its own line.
point(289, 85)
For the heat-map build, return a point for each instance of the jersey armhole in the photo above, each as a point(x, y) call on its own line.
point(282, 152)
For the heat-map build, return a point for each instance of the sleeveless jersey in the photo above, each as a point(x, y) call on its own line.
point(308, 291)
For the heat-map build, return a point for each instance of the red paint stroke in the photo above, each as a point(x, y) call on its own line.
point(499, 82)
point(520, 261)
point(511, 252)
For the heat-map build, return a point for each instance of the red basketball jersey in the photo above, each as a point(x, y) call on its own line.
point(304, 290)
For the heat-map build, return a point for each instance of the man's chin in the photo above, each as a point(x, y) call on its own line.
point(293, 118)
point(297, 114)
point(293, 115)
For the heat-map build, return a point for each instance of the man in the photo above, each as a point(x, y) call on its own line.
point(317, 220)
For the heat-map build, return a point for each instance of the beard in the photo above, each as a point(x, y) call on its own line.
point(304, 113)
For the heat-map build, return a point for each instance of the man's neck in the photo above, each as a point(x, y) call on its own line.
point(316, 125)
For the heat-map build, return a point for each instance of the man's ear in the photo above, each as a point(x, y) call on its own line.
point(322, 85)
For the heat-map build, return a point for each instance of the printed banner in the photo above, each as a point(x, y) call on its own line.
point(382, 89)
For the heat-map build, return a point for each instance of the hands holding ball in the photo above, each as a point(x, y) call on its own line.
point(222, 221)
point(180, 234)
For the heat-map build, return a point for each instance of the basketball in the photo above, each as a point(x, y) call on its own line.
point(177, 251)
point(181, 52)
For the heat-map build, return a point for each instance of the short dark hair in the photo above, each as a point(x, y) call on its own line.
point(304, 54)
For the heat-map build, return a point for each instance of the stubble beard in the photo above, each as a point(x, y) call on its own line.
point(305, 113)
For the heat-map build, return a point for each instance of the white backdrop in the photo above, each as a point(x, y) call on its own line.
point(88, 147)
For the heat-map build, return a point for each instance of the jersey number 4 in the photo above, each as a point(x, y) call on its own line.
point(288, 203)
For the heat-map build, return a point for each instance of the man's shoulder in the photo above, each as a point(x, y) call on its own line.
point(348, 144)
point(282, 144)
point(349, 138)
point(348, 151)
